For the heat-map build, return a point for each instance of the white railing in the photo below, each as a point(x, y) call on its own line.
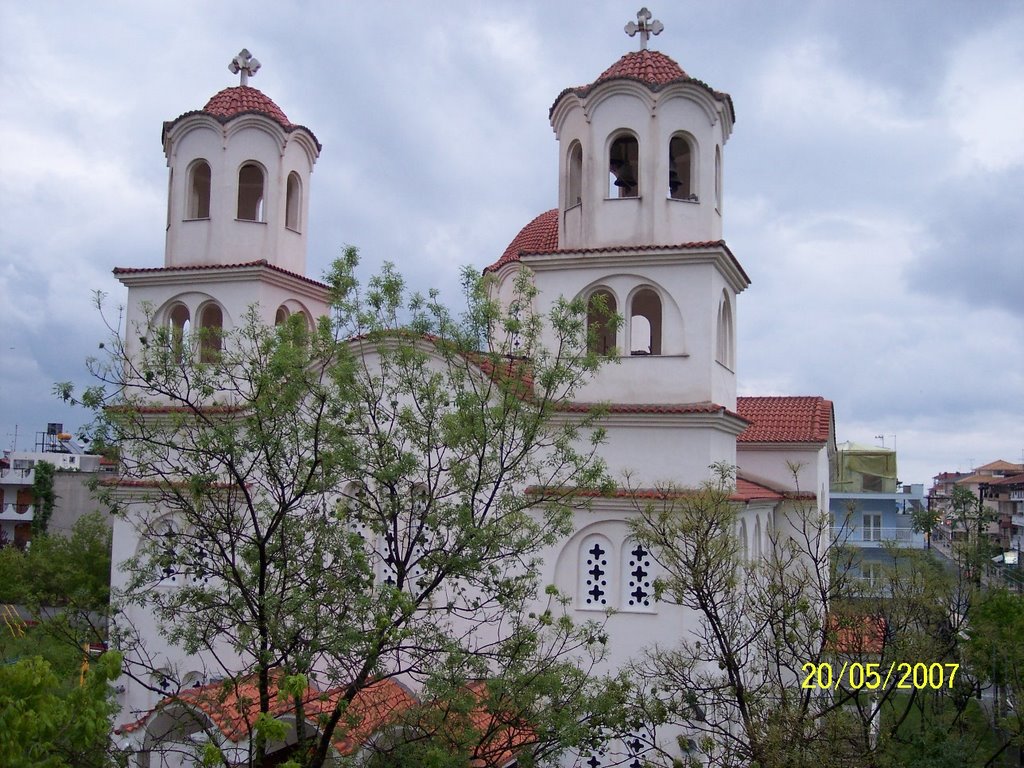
point(20, 512)
point(20, 476)
point(876, 537)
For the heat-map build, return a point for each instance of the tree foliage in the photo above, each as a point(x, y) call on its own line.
point(736, 684)
point(362, 500)
point(49, 723)
point(45, 498)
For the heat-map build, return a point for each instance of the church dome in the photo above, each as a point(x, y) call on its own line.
point(244, 99)
point(539, 236)
point(650, 67)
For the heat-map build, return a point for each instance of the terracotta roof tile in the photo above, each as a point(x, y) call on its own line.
point(234, 708)
point(652, 68)
point(647, 66)
point(241, 99)
point(196, 267)
point(653, 408)
point(785, 419)
point(746, 490)
point(540, 235)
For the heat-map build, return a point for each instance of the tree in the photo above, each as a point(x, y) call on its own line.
point(42, 492)
point(47, 724)
point(361, 501)
point(764, 678)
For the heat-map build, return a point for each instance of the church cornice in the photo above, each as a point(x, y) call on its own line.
point(661, 415)
point(260, 270)
point(709, 252)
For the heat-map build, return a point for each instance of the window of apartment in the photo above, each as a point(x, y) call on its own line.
point(872, 526)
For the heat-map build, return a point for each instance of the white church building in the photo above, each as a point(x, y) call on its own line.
point(638, 221)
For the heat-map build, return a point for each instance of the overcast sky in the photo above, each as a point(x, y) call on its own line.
point(874, 181)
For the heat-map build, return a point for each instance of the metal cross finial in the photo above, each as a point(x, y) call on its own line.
point(644, 26)
point(245, 65)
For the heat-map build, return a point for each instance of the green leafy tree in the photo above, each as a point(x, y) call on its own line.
point(45, 723)
point(45, 498)
point(362, 500)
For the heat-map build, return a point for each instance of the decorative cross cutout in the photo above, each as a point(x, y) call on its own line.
point(644, 26)
point(245, 66)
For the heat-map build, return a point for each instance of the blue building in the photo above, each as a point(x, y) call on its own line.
point(872, 512)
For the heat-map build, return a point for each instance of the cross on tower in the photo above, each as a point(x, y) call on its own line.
point(644, 26)
point(244, 65)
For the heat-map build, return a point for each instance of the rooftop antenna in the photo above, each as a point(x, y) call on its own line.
point(244, 65)
point(644, 26)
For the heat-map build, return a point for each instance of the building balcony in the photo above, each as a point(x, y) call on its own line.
point(18, 476)
point(868, 538)
point(21, 513)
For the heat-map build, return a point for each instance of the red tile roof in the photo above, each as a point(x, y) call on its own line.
point(241, 100)
point(785, 419)
point(656, 408)
point(234, 708)
point(194, 267)
point(652, 68)
point(855, 636)
point(746, 490)
point(540, 235)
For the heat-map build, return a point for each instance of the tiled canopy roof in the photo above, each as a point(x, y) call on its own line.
point(651, 67)
point(244, 98)
point(541, 234)
point(238, 265)
point(785, 419)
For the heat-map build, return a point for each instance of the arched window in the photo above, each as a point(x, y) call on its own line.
point(680, 169)
point(293, 202)
point(281, 316)
point(744, 547)
point(595, 572)
point(637, 577)
point(199, 190)
point(725, 343)
point(757, 537)
point(624, 167)
point(718, 179)
point(179, 322)
point(645, 323)
point(601, 309)
point(250, 193)
point(211, 331)
point(574, 193)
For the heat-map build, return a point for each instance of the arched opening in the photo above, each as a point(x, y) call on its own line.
point(281, 316)
point(725, 342)
point(718, 179)
point(199, 191)
point(601, 334)
point(211, 331)
point(744, 545)
point(637, 576)
point(757, 537)
point(574, 191)
point(680, 169)
point(624, 167)
point(645, 323)
point(594, 572)
point(293, 200)
point(250, 193)
point(179, 321)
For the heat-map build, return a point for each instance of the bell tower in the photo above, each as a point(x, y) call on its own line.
point(638, 229)
point(237, 219)
point(239, 180)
